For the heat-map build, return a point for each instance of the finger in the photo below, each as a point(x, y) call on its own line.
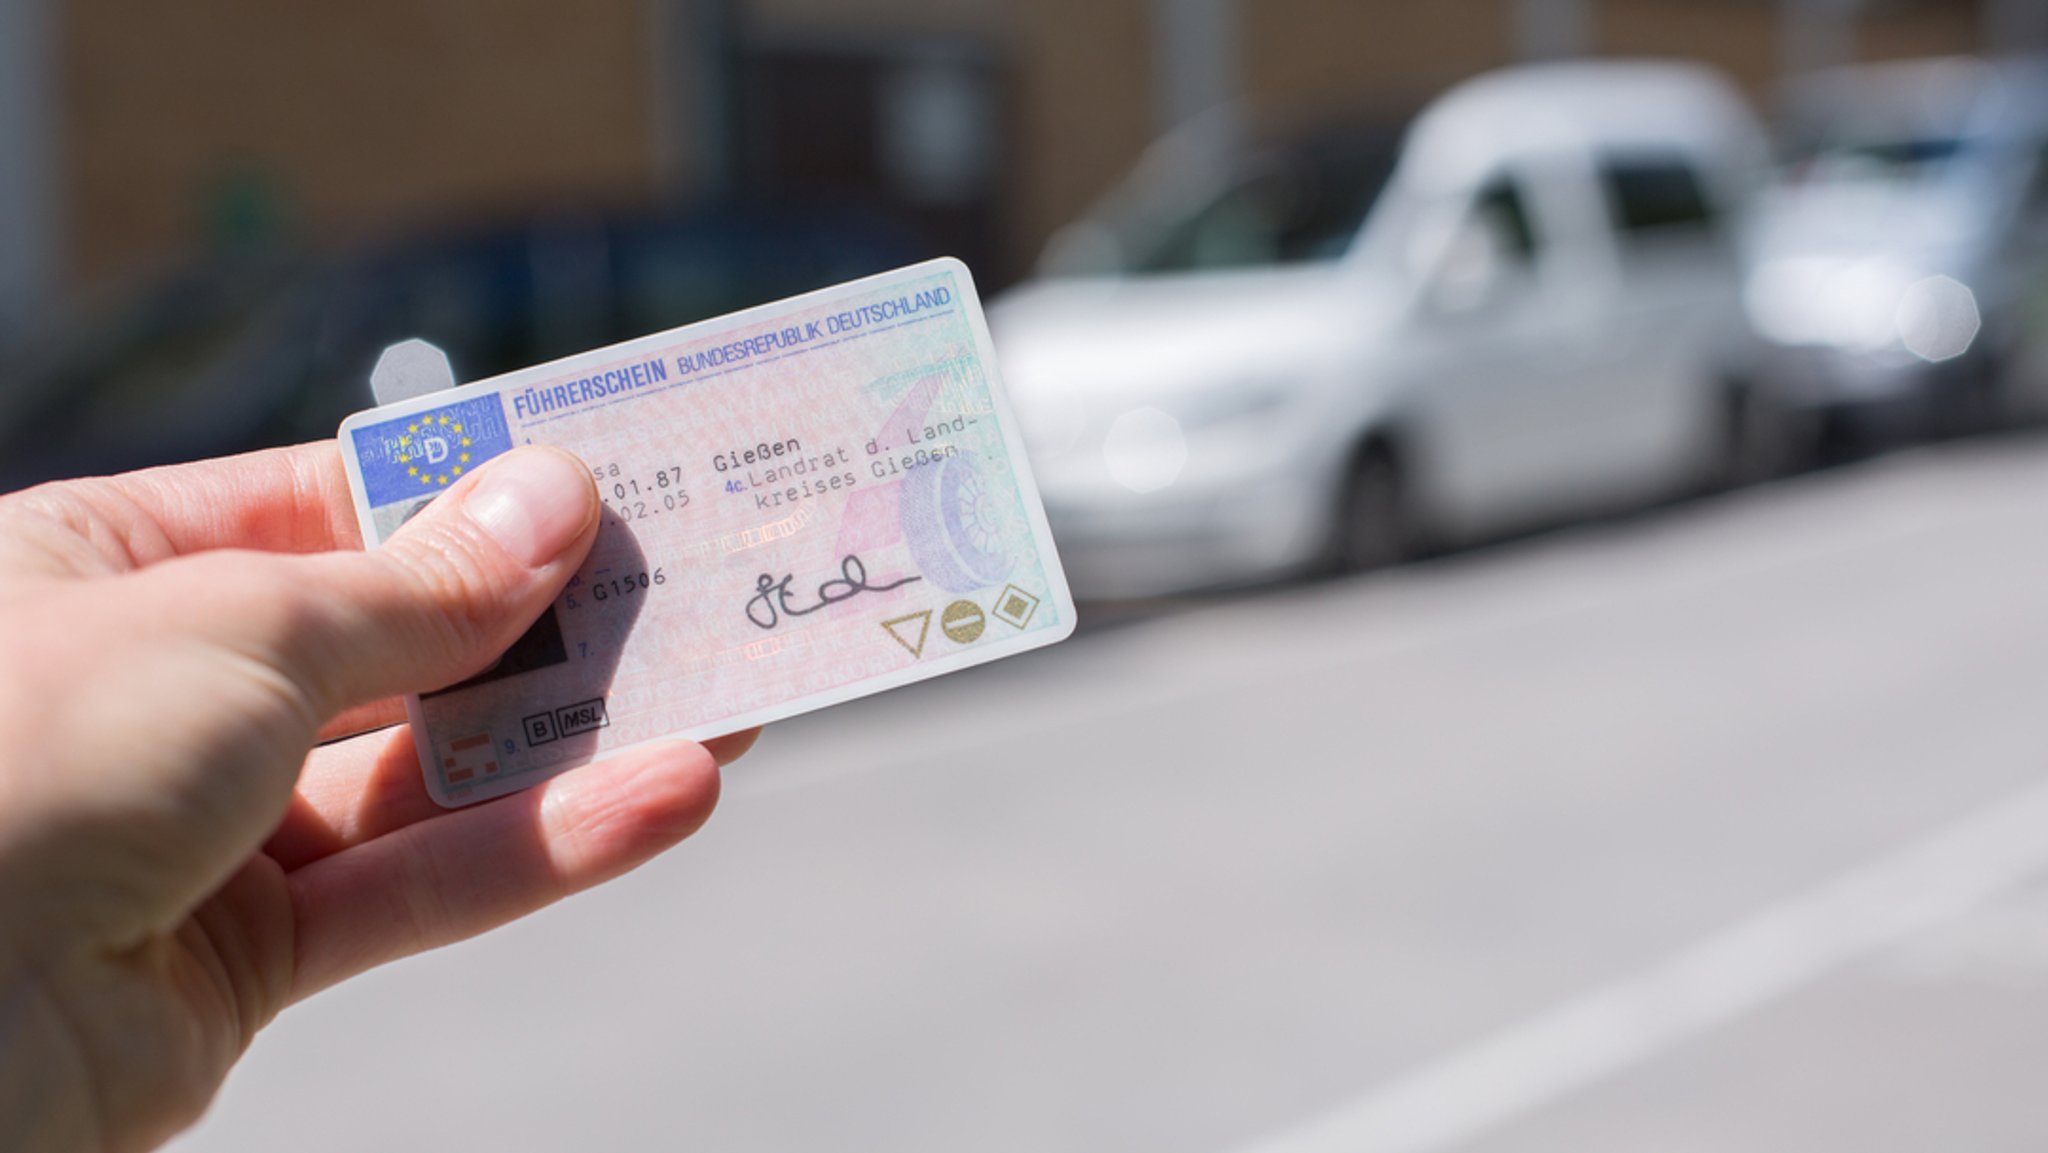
point(350, 793)
point(289, 500)
point(731, 748)
point(440, 600)
point(449, 878)
point(358, 790)
point(380, 714)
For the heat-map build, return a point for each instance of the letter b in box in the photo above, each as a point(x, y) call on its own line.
point(540, 729)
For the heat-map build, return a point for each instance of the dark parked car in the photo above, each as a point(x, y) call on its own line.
point(247, 353)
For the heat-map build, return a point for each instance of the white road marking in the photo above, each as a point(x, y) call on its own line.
point(1584, 1041)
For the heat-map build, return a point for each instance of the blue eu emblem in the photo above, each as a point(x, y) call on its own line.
point(422, 454)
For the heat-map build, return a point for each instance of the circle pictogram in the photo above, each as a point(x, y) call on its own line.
point(963, 622)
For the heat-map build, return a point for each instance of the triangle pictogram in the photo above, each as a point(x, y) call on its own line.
point(896, 628)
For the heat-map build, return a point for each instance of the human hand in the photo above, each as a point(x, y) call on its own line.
point(178, 863)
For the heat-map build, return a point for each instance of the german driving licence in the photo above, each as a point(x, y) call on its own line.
point(804, 503)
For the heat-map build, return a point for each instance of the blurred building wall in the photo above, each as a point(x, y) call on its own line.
point(2016, 25)
point(1195, 66)
point(226, 121)
point(1083, 107)
point(1740, 38)
point(1899, 31)
point(29, 208)
point(1553, 29)
point(207, 120)
point(1307, 60)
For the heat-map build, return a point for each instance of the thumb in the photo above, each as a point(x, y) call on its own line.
point(448, 593)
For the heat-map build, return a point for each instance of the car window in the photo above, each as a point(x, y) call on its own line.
point(1492, 251)
point(1656, 196)
point(1503, 208)
point(1286, 206)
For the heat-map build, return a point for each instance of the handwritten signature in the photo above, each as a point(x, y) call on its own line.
point(771, 596)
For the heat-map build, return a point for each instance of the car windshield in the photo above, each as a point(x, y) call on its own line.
point(1280, 206)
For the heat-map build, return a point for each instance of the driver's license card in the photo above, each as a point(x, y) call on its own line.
point(805, 503)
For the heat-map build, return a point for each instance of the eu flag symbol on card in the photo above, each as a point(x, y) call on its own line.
point(421, 454)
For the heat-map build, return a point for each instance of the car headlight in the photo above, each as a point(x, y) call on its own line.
point(1054, 423)
point(1145, 450)
point(1862, 306)
point(1230, 405)
point(1937, 318)
point(1144, 441)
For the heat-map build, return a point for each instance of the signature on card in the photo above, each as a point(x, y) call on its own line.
point(771, 600)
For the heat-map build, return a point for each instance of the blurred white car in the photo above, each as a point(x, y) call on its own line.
point(1250, 362)
point(1899, 267)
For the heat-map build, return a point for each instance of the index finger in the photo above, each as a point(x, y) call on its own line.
point(288, 500)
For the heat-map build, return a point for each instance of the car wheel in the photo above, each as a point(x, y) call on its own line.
point(1762, 439)
point(1977, 399)
point(1374, 526)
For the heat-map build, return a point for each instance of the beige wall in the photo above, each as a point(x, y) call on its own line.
point(1927, 29)
point(367, 116)
point(1741, 37)
point(1082, 107)
point(869, 17)
point(1309, 59)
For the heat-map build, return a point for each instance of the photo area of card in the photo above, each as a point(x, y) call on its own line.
point(804, 503)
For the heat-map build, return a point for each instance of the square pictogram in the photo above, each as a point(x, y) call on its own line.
point(1015, 607)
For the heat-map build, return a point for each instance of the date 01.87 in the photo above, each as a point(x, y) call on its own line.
point(635, 497)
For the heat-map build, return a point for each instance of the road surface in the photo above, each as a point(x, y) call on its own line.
point(1718, 828)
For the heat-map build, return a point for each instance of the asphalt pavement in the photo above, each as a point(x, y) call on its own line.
point(1723, 827)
